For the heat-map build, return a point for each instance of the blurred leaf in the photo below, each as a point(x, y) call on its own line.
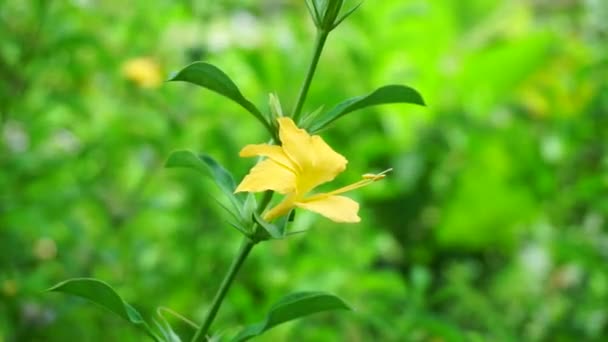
point(383, 95)
point(490, 168)
point(210, 167)
point(211, 77)
point(522, 57)
point(103, 294)
point(290, 307)
point(440, 329)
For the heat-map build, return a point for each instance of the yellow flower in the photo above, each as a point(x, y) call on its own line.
point(143, 71)
point(299, 165)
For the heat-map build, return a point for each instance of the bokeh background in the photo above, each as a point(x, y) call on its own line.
point(492, 226)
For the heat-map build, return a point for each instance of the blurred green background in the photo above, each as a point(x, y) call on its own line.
point(492, 226)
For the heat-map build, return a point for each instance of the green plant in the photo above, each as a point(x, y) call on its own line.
point(295, 164)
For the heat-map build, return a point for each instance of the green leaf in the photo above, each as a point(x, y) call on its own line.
point(165, 328)
point(383, 95)
point(250, 206)
point(208, 166)
point(104, 295)
point(211, 77)
point(273, 230)
point(346, 15)
point(314, 11)
point(167, 332)
point(281, 222)
point(290, 307)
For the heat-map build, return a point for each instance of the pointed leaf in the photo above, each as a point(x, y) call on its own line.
point(346, 15)
point(210, 167)
point(162, 309)
point(281, 222)
point(291, 307)
point(167, 332)
point(104, 295)
point(382, 95)
point(211, 77)
point(314, 12)
point(164, 326)
point(273, 230)
point(249, 207)
point(223, 178)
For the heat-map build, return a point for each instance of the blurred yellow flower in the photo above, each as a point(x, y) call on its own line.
point(143, 71)
point(299, 165)
point(9, 289)
point(45, 249)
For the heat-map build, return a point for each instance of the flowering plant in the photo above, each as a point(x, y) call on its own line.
point(293, 164)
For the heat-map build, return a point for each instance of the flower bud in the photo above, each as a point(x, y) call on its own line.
point(330, 14)
point(326, 13)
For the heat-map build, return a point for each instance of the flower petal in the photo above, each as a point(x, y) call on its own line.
point(265, 150)
point(335, 208)
point(295, 142)
point(268, 175)
point(273, 152)
point(327, 163)
point(316, 162)
point(280, 209)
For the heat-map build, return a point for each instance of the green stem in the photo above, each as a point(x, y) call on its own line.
point(201, 333)
point(319, 43)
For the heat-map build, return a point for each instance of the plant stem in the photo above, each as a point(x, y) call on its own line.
point(201, 333)
point(319, 43)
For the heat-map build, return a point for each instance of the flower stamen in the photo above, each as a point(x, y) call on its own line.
point(368, 178)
